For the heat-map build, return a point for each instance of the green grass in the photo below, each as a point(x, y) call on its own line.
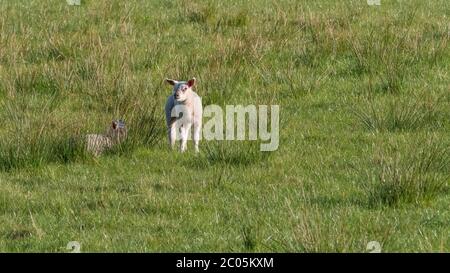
point(364, 126)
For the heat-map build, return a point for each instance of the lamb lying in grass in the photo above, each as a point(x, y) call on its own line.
point(98, 143)
point(186, 102)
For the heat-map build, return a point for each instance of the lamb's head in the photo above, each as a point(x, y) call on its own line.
point(181, 89)
point(117, 131)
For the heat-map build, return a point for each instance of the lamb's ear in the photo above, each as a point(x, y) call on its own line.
point(191, 82)
point(171, 82)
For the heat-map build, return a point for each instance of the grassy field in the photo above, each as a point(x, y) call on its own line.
point(364, 115)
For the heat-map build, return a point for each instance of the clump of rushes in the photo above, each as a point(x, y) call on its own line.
point(398, 114)
point(410, 173)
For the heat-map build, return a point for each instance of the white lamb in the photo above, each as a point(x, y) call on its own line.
point(98, 143)
point(186, 102)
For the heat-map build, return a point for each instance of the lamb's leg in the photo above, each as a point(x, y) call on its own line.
point(185, 129)
point(172, 132)
point(197, 130)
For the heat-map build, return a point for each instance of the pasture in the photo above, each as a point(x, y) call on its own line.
point(364, 126)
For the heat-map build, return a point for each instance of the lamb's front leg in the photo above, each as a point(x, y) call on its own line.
point(185, 129)
point(197, 131)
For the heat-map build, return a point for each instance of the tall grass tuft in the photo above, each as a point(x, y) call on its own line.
point(410, 173)
point(33, 139)
point(398, 114)
point(145, 128)
point(36, 133)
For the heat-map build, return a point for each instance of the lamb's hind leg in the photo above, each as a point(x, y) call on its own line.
point(172, 132)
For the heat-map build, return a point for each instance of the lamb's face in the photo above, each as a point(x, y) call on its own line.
point(181, 89)
point(118, 131)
